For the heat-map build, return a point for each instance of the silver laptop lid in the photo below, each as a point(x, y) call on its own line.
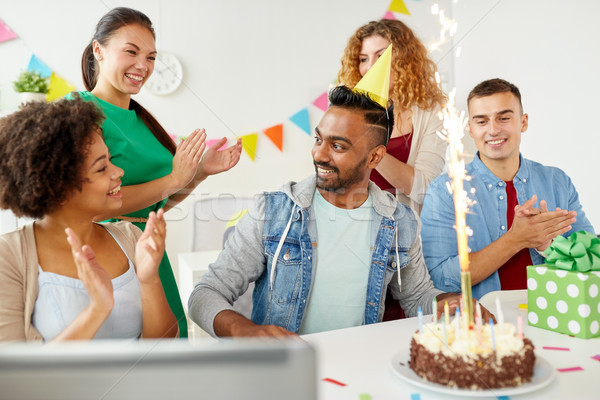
point(159, 370)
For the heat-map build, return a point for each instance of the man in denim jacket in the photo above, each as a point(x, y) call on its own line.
point(322, 251)
point(510, 227)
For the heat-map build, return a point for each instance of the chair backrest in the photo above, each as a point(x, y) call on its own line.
point(213, 224)
point(211, 216)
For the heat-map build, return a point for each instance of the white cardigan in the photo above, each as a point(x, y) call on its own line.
point(427, 155)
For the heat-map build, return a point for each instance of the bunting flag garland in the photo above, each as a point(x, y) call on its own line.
point(389, 15)
point(302, 119)
point(322, 102)
point(58, 87)
point(275, 134)
point(5, 32)
point(37, 65)
point(399, 7)
point(249, 144)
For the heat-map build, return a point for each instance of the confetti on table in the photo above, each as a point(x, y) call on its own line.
point(415, 396)
point(503, 398)
point(596, 357)
point(572, 369)
point(556, 348)
point(364, 396)
point(523, 306)
point(334, 381)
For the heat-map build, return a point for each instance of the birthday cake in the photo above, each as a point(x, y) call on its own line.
point(472, 357)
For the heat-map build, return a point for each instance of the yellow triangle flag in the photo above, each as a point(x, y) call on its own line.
point(249, 144)
point(58, 88)
point(399, 7)
point(376, 82)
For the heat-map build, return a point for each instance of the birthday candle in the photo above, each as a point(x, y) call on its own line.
point(478, 325)
point(445, 336)
point(520, 326)
point(434, 306)
point(478, 310)
point(420, 315)
point(493, 334)
point(456, 323)
point(499, 315)
point(446, 313)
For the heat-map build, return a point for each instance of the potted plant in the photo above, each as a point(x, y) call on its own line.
point(31, 86)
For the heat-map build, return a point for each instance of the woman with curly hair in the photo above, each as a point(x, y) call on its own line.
point(415, 153)
point(116, 63)
point(55, 168)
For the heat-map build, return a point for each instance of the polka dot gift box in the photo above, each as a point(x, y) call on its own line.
point(564, 294)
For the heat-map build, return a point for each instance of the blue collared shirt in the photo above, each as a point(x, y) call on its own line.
point(487, 216)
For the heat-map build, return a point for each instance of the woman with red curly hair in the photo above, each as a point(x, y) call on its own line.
point(415, 154)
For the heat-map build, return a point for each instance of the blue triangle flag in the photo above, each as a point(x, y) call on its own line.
point(37, 65)
point(302, 120)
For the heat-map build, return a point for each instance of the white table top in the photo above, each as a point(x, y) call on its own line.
point(361, 358)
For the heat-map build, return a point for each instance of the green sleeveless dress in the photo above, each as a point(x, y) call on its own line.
point(134, 148)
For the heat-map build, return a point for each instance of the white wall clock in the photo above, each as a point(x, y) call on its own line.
point(167, 75)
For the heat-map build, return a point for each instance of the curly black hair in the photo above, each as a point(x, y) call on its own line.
point(42, 152)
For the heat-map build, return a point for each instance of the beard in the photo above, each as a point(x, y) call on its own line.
point(342, 180)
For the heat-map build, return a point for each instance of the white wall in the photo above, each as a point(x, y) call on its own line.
point(252, 64)
point(247, 65)
point(549, 49)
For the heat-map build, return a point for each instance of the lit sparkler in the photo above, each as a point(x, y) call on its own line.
point(454, 124)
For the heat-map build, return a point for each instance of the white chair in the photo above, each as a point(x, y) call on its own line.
point(211, 217)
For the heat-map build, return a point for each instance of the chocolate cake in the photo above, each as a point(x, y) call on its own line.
point(470, 358)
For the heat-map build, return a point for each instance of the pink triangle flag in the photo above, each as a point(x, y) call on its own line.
point(5, 32)
point(389, 15)
point(322, 101)
point(211, 143)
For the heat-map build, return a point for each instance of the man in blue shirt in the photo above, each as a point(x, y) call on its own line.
point(519, 207)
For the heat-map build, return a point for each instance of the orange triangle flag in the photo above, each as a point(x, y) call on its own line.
point(275, 134)
point(399, 7)
point(249, 144)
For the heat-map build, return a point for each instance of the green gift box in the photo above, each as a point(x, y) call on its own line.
point(563, 294)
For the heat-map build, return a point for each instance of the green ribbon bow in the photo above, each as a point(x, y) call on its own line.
point(580, 252)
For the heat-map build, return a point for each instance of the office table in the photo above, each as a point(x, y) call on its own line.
point(360, 358)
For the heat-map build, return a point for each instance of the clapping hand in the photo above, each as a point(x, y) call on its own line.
point(95, 278)
point(216, 161)
point(538, 227)
point(187, 157)
point(150, 247)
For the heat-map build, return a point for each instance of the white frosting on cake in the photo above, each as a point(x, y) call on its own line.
point(469, 343)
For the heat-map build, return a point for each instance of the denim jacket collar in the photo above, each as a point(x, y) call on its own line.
point(302, 193)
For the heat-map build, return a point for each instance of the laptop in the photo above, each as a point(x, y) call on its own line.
point(166, 370)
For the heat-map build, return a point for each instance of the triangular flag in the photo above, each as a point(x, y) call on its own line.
point(211, 142)
point(249, 144)
point(399, 7)
point(37, 65)
point(376, 82)
point(5, 32)
point(58, 88)
point(389, 15)
point(275, 133)
point(322, 101)
point(302, 120)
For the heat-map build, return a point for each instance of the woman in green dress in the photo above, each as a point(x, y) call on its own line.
point(158, 174)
